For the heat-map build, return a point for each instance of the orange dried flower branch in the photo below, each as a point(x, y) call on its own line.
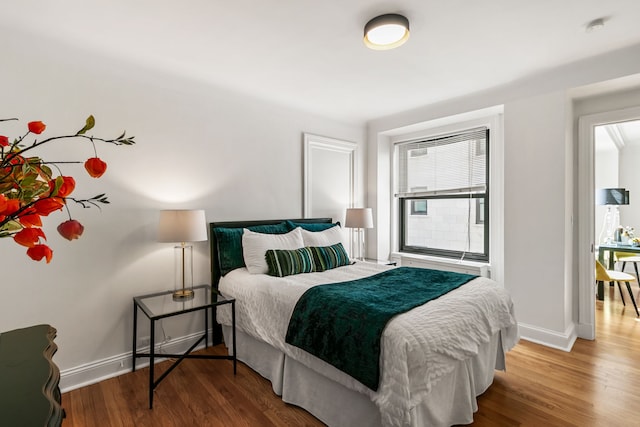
point(29, 189)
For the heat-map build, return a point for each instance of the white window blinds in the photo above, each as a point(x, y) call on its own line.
point(449, 164)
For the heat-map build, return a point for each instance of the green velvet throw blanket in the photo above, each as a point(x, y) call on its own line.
point(342, 323)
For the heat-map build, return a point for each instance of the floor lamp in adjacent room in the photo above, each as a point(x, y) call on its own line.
point(359, 218)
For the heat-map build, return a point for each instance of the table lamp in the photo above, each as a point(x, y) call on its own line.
point(612, 198)
point(359, 218)
point(182, 226)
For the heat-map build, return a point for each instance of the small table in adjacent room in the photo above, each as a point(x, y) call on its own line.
point(162, 305)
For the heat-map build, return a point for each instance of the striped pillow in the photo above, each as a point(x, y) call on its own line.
point(285, 262)
point(328, 257)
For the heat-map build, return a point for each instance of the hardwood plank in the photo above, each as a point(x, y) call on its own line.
point(595, 384)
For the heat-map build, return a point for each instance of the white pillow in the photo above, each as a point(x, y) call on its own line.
point(255, 247)
point(327, 237)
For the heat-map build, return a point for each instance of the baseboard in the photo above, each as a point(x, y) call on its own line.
point(561, 341)
point(100, 370)
point(585, 331)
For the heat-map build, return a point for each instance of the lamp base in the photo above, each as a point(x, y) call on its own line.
point(183, 295)
point(361, 244)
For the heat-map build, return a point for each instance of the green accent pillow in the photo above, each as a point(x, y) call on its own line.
point(312, 226)
point(230, 243)
point(328, 257)
point(285, 262)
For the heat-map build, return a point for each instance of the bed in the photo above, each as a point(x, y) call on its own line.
point(435, 359)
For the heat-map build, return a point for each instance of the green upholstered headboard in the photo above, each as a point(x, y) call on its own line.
point(218, 269)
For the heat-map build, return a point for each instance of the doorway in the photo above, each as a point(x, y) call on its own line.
point(588, 128)
point(617, 148)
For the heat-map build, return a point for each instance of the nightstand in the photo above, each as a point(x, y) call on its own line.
point(161, 305)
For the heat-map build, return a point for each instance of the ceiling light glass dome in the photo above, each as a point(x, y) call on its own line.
point(386, 32)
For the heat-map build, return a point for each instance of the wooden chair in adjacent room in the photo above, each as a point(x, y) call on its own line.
point(604, 275)
point(625, 257)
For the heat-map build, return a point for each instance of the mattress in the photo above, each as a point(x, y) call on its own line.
point(419, 348)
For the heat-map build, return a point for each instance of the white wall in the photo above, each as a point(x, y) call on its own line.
point(630, 179)
point(540, 187)
point(535, 213)
point(198, 147)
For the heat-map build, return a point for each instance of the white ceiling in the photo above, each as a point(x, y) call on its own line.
point(309, 54)
point(616, 136)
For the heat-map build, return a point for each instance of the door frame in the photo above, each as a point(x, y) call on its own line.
point(586, 208)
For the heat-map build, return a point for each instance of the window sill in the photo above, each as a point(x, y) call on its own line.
point(438, 263)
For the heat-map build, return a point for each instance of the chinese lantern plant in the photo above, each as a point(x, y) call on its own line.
point(29, 188)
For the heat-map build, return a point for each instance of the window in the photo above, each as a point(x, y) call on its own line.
point(480, 211)
point(450, 175)
point(419, 207)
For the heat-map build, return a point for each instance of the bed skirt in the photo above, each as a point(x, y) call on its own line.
point(451, 401)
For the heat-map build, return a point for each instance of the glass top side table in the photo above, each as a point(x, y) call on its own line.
point(161, 305)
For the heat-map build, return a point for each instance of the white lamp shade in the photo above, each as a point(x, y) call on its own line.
point(182, 226)
point(359, 218)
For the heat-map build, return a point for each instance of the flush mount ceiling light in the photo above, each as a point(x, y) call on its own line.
point(386, 32)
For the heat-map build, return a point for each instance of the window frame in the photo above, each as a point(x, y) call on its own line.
point(480, 218)
point(415, 211)
point(446, 253)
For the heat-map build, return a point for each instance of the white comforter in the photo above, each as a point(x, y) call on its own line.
point(418, 347)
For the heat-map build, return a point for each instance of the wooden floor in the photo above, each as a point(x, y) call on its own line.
point(596, 384)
